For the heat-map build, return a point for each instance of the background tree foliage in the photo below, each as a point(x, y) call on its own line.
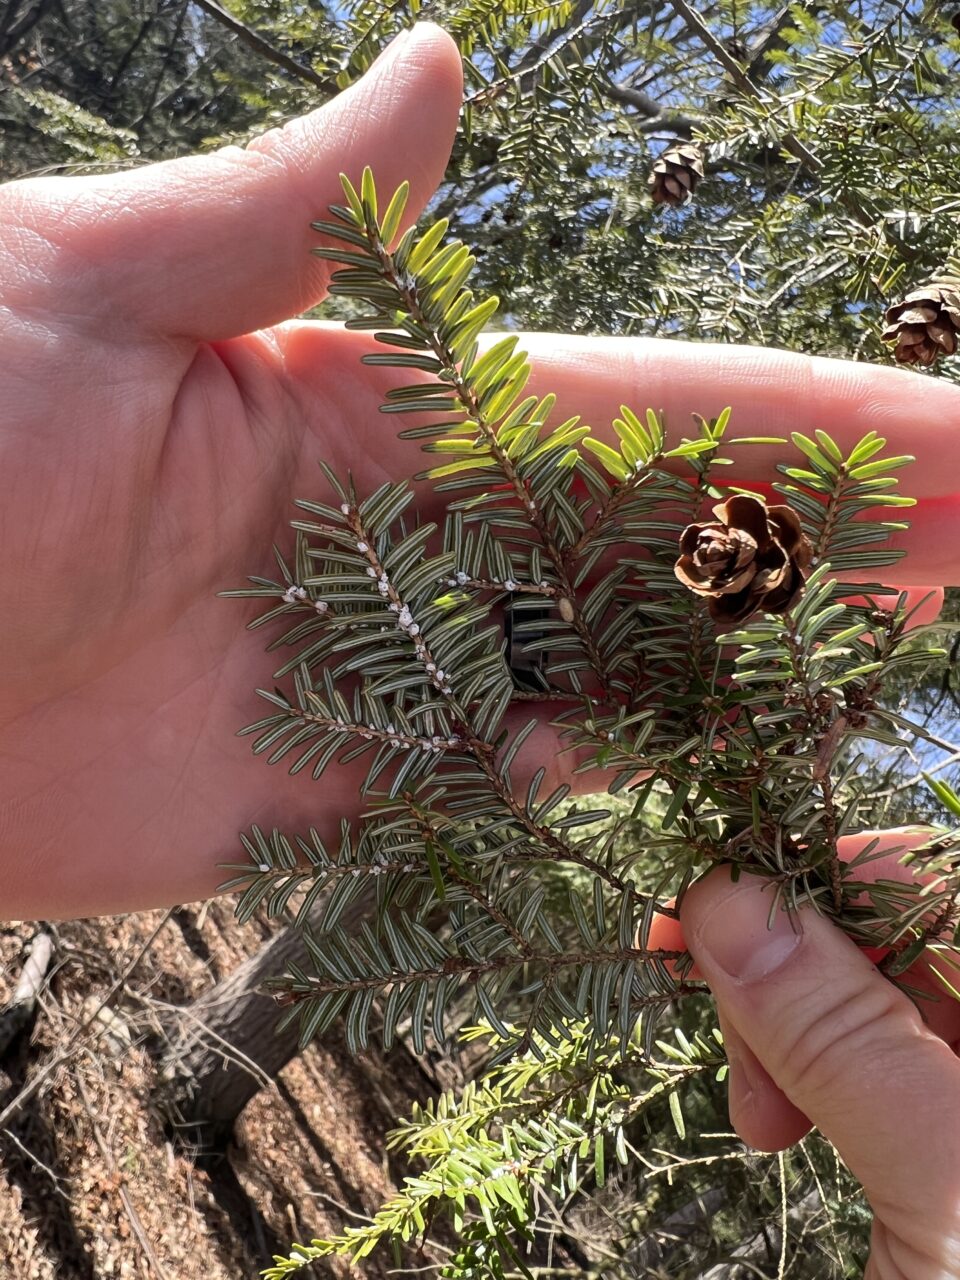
point(831, 186)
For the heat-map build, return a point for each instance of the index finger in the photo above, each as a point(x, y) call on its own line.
point(772, 393)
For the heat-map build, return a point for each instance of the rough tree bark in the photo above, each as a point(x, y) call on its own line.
point(225, 1047)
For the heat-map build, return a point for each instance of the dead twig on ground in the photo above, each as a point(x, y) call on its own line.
point(136, 1226)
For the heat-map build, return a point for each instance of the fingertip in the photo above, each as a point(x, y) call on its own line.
point(760, 1112)
point(765, 1118)
point(423, 57)
point(666, 934)
point(428, 40)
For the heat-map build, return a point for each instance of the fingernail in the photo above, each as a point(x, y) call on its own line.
point(738, 936)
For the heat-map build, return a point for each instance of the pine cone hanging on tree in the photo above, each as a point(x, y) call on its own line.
point(925, 324)
point(676, 173)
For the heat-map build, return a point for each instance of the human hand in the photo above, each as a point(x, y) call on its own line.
point(152, 445)
point(815, 1034)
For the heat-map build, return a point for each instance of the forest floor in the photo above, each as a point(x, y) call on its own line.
point(95, 1183)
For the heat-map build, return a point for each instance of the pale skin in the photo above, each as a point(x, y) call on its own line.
point(816, 1035)
point(160, 415)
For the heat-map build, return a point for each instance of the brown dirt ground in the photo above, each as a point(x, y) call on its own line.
point(92, 1182)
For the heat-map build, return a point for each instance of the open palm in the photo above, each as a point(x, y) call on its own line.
point(155, 433)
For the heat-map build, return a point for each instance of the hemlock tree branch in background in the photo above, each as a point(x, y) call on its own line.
point(263, 47)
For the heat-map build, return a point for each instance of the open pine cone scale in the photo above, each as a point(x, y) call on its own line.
point(752, 558)
point(925, 325)
point(675, 174)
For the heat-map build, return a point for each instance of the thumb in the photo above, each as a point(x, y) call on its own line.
point(213, 246)
point(846, 1047)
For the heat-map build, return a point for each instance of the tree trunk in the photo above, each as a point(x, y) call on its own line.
point(225, 1047)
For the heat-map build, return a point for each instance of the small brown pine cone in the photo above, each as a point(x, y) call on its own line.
point(676, 173)
point(925, 324)
point(752, 559)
